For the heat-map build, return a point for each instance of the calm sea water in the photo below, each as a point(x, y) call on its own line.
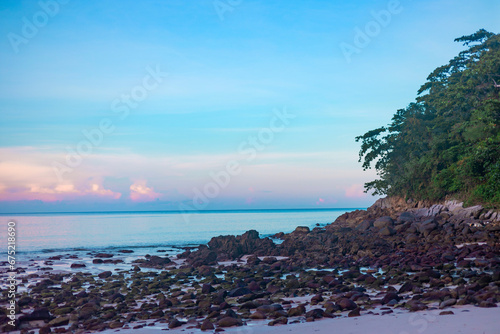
point(39, 233)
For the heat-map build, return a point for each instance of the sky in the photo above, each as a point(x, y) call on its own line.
point(123, 105)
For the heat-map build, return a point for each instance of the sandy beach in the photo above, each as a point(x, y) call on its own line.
point(466, 319)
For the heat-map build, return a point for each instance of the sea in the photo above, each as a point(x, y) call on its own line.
point(146, 232)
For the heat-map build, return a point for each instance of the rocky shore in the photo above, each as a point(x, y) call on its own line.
point(396, 256)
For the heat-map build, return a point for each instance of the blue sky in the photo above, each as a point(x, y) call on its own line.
point(226, 67)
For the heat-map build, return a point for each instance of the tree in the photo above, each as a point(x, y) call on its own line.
point(448, 141)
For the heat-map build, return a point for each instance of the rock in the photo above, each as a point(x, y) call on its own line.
point(364, 225)
point(302, 229)
point(202, 257)
point(104, 255)
point(486, 303)
point(406, 287)
point(105, 274)
point(446, 313)
point(60, 321)
point(253, 286)
point(45, 330)
point(37, 314)
point(115, 324)
point(354, 313)
point(207, 288)
point(253, 260)
point(347, 304)
point(174, 323)
point(390, 296)
point(232, 247)
point(159, 261)
point(447, 303)
point(316, 299)
point(296, 311)
point(269, 260)
point(387, 231)
point(239, 292)
point(316, 313)
point(279, 321)
point(414, 305)
point(269, 308)
point(427, 226)
point(406, 217)
point(383, 222)
point(207, 325)
point(77, 265)
point(229, 322)
point(258, 315)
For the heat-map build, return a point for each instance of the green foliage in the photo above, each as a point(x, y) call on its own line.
point(448, 141)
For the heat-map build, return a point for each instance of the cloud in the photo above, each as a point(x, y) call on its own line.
point(355, 191)
point(139, 192)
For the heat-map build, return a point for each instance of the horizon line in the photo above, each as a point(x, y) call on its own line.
point(176, 211)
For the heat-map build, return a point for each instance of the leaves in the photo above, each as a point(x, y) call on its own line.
point(448, 141)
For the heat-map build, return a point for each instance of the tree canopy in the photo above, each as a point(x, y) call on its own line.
point(447, 142)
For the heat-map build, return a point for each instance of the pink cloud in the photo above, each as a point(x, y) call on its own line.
point(355, 191)
point(139, 192)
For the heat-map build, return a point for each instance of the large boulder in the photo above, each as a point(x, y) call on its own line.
point(230, 247)
point(382, 222)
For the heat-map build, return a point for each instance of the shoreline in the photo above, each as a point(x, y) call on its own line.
point(364, 263)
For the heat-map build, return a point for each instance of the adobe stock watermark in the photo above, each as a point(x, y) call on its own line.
point(248, 150)
point(420, 321)
point(223, 6)
point(121, 107)
point(32, 25)
point(363, 37)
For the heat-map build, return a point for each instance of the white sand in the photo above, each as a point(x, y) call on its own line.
point(467, 319)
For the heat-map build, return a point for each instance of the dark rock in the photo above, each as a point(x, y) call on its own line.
point(354, 313)
point(347, 304)
point(115, 324)
point(105, 274)
point(174, 323)
point(406, 217)
point(316, 313)
point(77, 265)
point(415, 305)
point(229, 322)
point(104, 255)
point(239, 292)
point(390, 296)
point(253, 260)
point(427, 226)
point(207, 325)
point(279, 321)
point(207, 288)
point(302, 229)
point(258, 315)
point(447, 303)
point(269, 308)
point(406, 287)
point(387, 231)
point(37, 314)
point(382, 222)
point(364, 225)
point(45, 330)
point(297, 311)
point(60, 321)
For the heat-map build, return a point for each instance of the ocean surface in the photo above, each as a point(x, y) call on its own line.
point(69, 232)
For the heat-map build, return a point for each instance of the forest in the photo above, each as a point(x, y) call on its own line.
point(445, 144)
